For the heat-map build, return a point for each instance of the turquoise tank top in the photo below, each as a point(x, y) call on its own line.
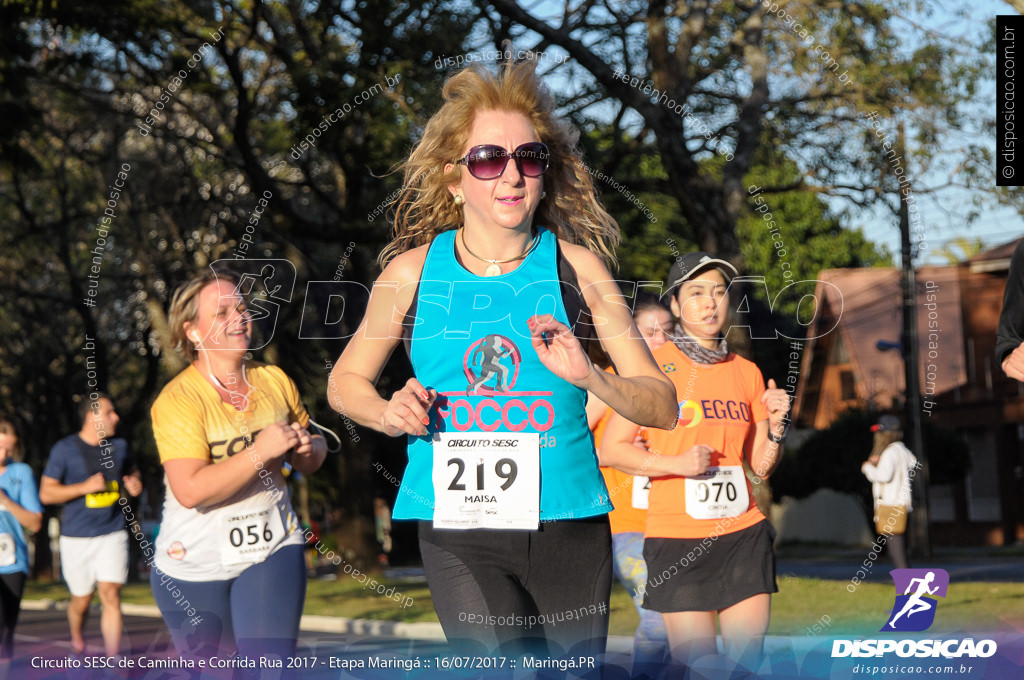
point(470, 342)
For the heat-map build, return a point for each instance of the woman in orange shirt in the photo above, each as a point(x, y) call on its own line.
point(707, 546)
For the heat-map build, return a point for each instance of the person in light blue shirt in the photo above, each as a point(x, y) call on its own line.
point(19, 507)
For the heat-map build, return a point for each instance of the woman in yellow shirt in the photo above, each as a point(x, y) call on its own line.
point(229, 569)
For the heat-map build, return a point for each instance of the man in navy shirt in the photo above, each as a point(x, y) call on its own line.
point(87, 472)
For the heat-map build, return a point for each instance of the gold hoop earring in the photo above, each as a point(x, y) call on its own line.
point(458, 199)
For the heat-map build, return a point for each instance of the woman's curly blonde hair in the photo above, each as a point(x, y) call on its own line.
point(424, 208)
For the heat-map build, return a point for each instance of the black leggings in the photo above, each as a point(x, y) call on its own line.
point(11, 588)
point(539, 592)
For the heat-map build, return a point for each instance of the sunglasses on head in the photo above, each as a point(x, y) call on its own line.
point(488, 161)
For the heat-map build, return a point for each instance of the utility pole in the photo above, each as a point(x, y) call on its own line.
point(920, 524)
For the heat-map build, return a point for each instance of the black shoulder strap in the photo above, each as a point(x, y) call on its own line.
point(580, 318)
point(410, 320)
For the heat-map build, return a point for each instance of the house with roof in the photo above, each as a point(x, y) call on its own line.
point(852, 359)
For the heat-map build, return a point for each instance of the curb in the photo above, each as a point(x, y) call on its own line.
point(425, 630)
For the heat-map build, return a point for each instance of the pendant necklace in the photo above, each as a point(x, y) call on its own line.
point(494, 268)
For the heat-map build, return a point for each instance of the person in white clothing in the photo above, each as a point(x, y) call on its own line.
point(888, 468)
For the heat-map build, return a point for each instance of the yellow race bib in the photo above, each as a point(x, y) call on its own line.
point(103, 499)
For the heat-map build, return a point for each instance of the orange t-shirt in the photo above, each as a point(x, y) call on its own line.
point(624, 518)
point(719, 406)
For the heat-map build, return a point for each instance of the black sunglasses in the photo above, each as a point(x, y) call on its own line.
point(488, 161)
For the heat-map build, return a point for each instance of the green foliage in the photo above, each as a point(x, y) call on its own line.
point(829, 458)
point(809, 238)
point(832, 458)
point(79, 85)
point(790, 235)
point(630, 186)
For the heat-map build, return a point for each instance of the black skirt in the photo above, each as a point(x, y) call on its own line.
point(709, 574)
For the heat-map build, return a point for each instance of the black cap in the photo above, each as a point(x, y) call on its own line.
point(689, 265)
point(886, 424)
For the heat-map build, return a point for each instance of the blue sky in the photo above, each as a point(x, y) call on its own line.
point(942, 214)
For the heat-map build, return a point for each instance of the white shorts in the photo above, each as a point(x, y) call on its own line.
point(85, 561)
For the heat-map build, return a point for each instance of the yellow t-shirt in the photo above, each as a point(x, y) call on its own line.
point(190, 420)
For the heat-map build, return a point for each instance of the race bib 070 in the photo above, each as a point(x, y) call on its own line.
point(717, 493)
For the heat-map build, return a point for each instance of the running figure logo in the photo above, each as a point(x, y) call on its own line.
point(484, 360)
point(914, 611)
point(264, 292)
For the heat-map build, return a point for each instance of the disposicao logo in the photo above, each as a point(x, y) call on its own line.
point(914, 611)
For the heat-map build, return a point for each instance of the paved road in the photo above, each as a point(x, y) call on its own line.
point(42, 634)
point(42, 639)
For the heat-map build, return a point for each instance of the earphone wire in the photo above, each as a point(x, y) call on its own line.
point(327, 430)
point(322, 429)
point(244, 397)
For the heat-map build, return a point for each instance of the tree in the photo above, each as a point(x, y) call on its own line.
point(719, 78)
point(788, 238)
point(208, 105)
point(961, 248)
